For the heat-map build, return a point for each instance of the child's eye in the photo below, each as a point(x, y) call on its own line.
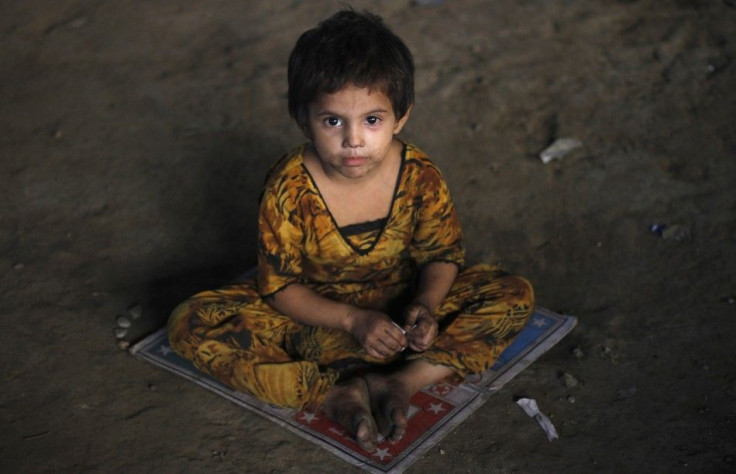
point(333, 122)
point(372, 120)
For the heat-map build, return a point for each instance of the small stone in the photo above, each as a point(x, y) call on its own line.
point(442, 451)
point(599, 244)
point(78, 23)
point(135, 311)
point(577, 352)
point(657, 229)
point(676, 232)
point(152, 387)
point(570, 380)
point(19, 266)
point(58, 135)
point(123, 345)
point(123, 321)
point(607, 353)
point(120, 332)
point(219, 454)
point(571, 399)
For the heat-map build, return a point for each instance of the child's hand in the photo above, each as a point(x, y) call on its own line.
point(378, 334)
point(420, 326)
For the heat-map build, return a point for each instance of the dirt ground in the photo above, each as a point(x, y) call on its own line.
point(136, 135)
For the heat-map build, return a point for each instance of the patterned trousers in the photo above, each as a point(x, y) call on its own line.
point(233, 335)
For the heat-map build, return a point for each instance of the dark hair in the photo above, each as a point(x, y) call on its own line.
point(349, 48)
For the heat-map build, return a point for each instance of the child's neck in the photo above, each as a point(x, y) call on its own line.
point(357, 200)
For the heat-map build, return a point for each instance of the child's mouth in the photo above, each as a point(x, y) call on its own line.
point(354, 160)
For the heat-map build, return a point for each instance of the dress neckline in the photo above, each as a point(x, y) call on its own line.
point(383, 222)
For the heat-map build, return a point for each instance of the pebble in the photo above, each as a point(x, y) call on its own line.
point(571, 399)
point(135, 311)
point(607, 353)
point(442, 451)
point(120, 332)
point(577, 352)
point(123, 345)
point(570, 380)
point(123, 321)
point(676, 232)
point(19, 266)
point(78, 22)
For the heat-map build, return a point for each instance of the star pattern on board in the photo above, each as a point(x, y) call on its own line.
point(441, 388)
point(382, 453)
point(165, 350)
point(431, 406)
point(539, 322)
point(436, 408)
point(308, 417)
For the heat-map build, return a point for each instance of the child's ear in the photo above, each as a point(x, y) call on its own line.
point(306, 131)
point(402, 121)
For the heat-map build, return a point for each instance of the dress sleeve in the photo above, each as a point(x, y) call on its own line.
point(437, 235)
point(279, 242)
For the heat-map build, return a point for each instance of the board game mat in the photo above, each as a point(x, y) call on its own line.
point(433, 413)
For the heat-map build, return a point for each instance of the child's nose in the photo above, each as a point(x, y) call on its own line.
point(353, 136)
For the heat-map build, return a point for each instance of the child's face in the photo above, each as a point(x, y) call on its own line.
point(352, 131)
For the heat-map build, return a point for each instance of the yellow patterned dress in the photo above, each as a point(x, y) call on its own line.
point(235, 336)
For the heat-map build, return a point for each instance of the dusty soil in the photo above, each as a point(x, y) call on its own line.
point(135, 137)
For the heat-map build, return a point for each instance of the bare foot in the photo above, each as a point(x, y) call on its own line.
point(348, 404)
point(389, 405)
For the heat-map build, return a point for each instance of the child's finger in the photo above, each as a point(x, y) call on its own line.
point(419, 346)
point(387, 340)
point(381, 347)
point(423, 335)
point(413, 313)
point(410, 318)
point(388, 348)
point(399, 335)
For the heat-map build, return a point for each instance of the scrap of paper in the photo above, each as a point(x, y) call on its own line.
point(560, 148)
point(529, 405)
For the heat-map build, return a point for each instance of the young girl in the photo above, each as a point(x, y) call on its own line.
point(361, 298)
